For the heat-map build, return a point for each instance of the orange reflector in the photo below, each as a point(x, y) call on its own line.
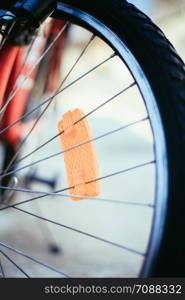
point(81, 162)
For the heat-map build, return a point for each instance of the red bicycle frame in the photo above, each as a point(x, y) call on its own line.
point(18, 73)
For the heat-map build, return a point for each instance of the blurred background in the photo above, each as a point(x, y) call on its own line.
point(81, 256)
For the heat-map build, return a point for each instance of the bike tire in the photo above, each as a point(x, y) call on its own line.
point(165, 72)
point(160, 76)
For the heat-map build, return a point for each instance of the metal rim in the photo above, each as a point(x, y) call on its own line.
point(161, 189)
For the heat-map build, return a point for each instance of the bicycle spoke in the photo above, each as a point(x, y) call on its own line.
point(74, 147)
point(10, 98)
point(68, 188)
point(2, 270)
point(101, 238)
point(123, 171)
point(87, 115)
point(7, 35)
point(48, 236)
point(83, 233)
point(46, 108)
point(59, 92)
point(20, 269)
point(74, 196)
point(78, 59)
point(26, 138)
point(25, 59)
point(34, 259)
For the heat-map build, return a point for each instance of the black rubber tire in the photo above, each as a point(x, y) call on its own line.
point(165, 72)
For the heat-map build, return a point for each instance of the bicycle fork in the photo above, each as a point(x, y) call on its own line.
point(21, 19)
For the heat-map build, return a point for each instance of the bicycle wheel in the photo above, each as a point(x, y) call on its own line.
point(139, 147)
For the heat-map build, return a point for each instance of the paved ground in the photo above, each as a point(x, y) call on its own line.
point(129, 225)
